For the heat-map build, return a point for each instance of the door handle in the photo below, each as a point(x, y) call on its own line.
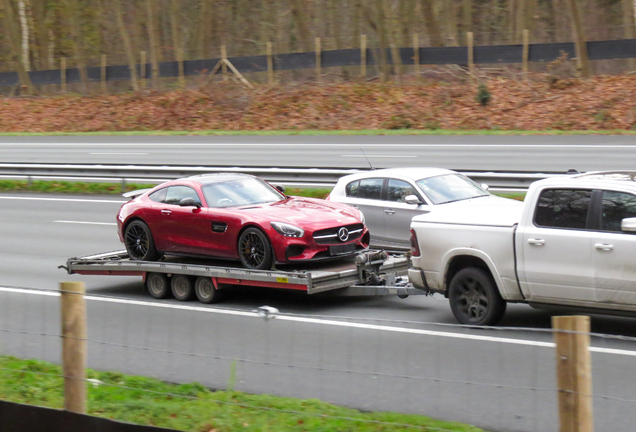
point(536, 242)
point(166, 212)
point(389, 211)
point(604, 246)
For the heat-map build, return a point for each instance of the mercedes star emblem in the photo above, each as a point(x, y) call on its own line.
point(343, 234)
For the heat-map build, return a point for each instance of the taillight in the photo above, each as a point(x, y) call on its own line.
point(415, 247)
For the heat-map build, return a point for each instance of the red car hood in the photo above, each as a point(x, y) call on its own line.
point(306, 213)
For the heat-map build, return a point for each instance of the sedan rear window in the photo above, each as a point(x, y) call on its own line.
point(450, 187)
point(370, 188)
point(240, 192)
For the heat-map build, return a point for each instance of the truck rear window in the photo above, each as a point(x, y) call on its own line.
point(563, 208)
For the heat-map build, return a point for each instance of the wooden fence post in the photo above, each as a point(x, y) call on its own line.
point(73, 306)
point(318, 61)
point(363, 55)
point(471, 54)
point(223, 65)
point(63, 74)
point(103, 74)
point(270, 64)
point(181, 69)
point(526, 51)
point(142, 69)
point(416, 55)
point(574, 373)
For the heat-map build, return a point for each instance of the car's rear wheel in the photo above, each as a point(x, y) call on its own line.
point(139, 242)
point(474, 298)
point(255, 250)
point(205, 290)
point(157, 285)
point(182, 287)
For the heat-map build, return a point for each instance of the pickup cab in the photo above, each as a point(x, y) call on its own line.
point(570, 243)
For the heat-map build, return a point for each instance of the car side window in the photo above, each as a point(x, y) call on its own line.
point(399, 190)
point(616, 207)
point(176, 193)
point(563, 208)
point(352, 189)
point(370, 188)
point(159, 196)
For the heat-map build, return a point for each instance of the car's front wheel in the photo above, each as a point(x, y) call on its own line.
point(139, 242)
point(474, 298)
point(255, 250)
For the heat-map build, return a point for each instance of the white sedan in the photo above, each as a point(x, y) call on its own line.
point(389, 198)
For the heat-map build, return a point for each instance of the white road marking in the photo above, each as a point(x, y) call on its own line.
point(379, 156)
point(61, 199)
point(323, 322)
point(85, 223)
point(127, 154)
point(178, 147)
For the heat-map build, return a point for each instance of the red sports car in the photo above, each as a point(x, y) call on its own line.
point(238, 216)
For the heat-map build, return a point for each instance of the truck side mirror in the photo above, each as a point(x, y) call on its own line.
point(189, 202)
point(412, 199)
point(484, 186)
point(628, 225)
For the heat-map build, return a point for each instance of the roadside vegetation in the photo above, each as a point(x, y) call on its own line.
point(193, 407)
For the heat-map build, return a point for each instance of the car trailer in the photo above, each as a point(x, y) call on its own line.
point(370, 273)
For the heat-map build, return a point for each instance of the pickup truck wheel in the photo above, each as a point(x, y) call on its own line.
point(474, 298)
point(158, 285)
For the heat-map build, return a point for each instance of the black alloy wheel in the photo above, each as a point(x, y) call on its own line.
point(157, 285)
point(139, 242)
point(474, 298)
point(205, 290)
point(254, 249)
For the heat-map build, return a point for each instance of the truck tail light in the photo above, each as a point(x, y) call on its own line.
point(415, 247)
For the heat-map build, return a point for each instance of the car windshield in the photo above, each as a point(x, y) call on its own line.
point(240, 192)
point(450, 187)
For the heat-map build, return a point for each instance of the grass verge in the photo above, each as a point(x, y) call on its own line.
point(193, 407)
point(368, 132)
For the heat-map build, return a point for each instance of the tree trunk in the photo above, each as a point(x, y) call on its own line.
point(300, 18)
point(628, 24)
point(204, 28)
point(467, 17)
point(153, 39)
point(583, 64)
point(175, 23)
point(24, 26)
point(16, 49)
point(431, 23)
point(132, 64)
point(72, 11)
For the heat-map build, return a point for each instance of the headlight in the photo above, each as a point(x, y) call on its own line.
point(361, 217)
point(288, 230)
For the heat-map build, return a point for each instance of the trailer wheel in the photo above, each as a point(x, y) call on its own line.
point(157, 285)
point(474, 298)
point(182, 287)
point(139, 242)
point(205, 290)
point(255, 249)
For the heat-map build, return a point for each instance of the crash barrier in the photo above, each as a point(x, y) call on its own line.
point(294, 177)
point(497, 378)
point(28, 418)
point(493, 54)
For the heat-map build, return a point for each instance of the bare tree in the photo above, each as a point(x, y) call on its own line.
point(16, 49)
point(132, 64)
point(302, 25)
point(72, 11)
point(628, 25)
point(431, 23)
point(583, 63)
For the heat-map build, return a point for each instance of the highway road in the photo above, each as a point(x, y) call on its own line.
point(480, 153)
point(379, 353)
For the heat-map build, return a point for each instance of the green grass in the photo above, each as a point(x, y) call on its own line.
point(193, 407)
point(331, 132)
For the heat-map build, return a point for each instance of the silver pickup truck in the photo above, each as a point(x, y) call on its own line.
point(571, 243)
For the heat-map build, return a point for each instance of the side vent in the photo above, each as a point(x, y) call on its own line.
point(219, 227)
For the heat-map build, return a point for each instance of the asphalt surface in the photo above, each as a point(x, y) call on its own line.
point(374, 353)
point(479, 153)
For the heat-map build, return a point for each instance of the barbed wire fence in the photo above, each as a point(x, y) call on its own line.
point(497, 378)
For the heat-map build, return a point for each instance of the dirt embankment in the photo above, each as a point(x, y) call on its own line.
point(598, 103)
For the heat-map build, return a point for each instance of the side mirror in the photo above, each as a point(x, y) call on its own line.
point(484, 186)
point(189, 202)
point(628, 225)
point(412, 199)
point(280, 188)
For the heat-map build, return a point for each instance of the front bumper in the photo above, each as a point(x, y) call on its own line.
point(289, 250)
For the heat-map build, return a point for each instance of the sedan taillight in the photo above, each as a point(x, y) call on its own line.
point(415, 247)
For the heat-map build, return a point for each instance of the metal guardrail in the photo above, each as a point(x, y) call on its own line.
point(293, 177)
